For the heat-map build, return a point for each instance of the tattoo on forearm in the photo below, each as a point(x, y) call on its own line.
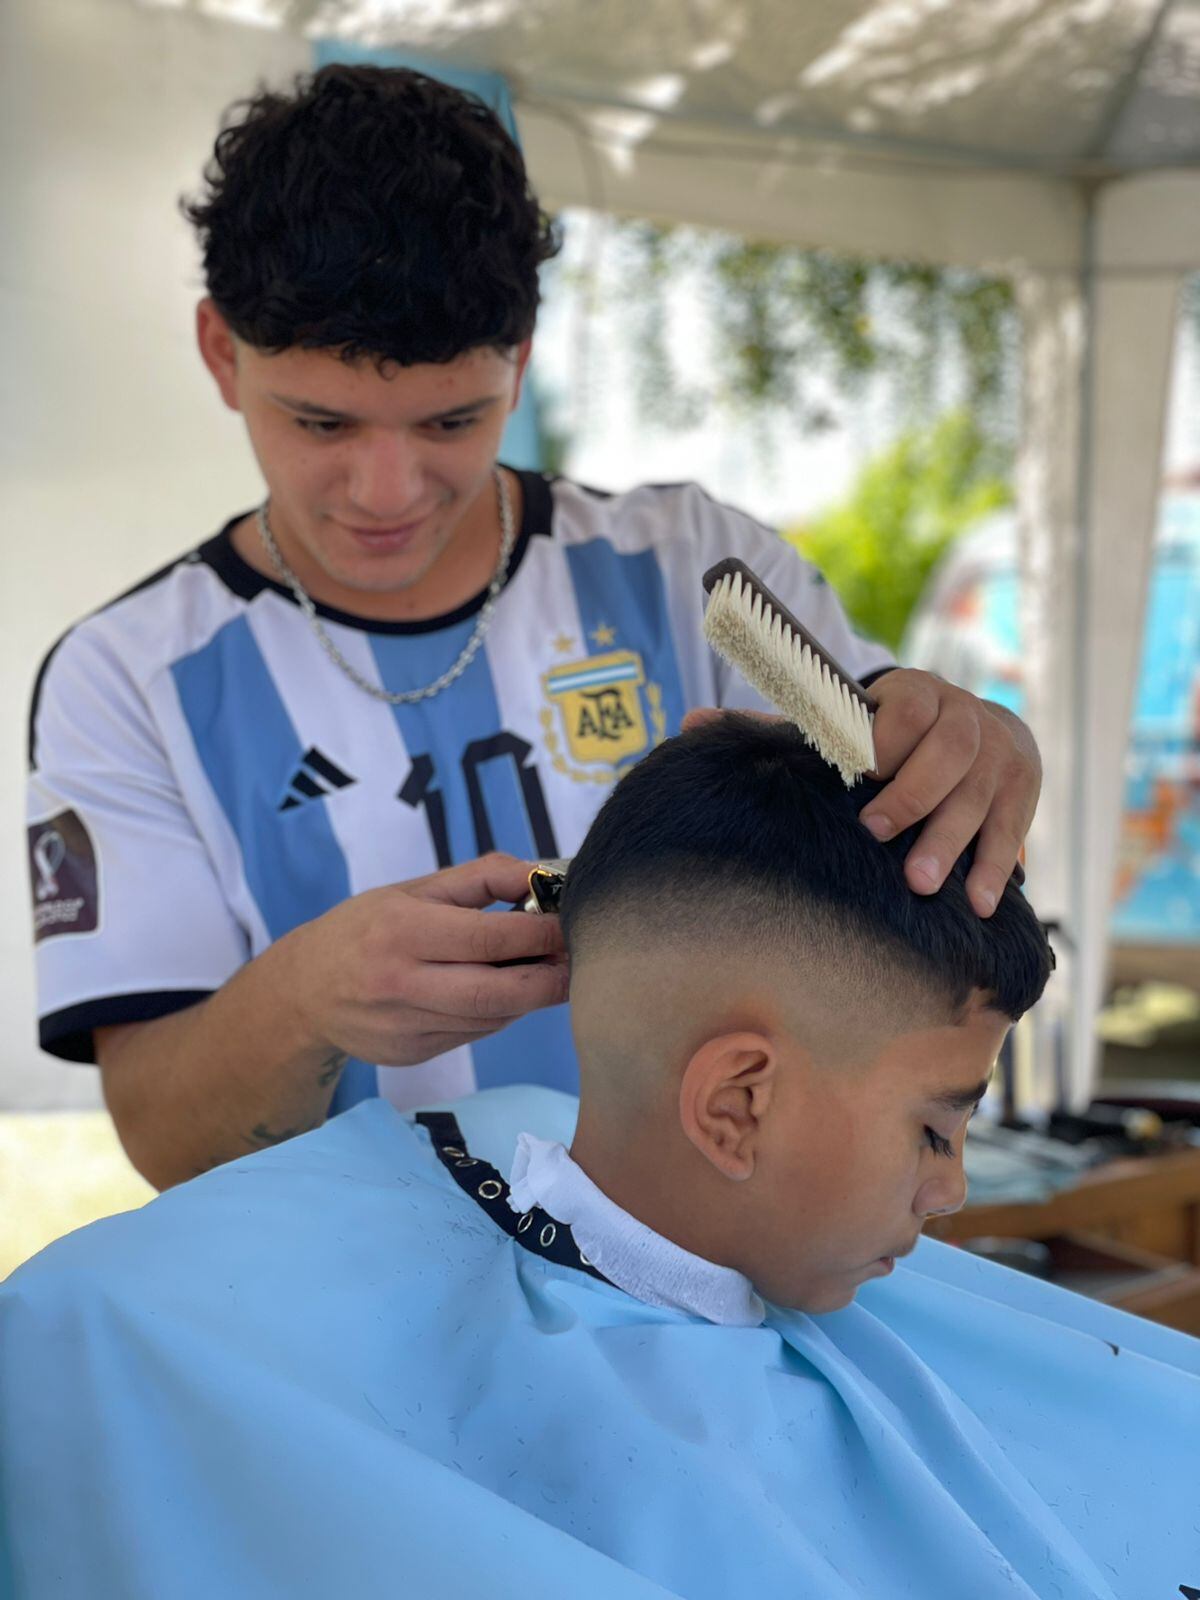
point(260, 1136)
point(331, 1068)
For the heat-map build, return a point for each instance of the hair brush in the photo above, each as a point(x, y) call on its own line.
point(756, 633)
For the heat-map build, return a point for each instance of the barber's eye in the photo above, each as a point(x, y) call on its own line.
point(321, 427)
point(939, 1146)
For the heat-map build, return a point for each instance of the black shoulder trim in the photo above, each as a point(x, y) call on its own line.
point(240, 578)
point(540, 1233)
point(36, 697)
point(67, 1034)
point(136, 588)
point(538, 517)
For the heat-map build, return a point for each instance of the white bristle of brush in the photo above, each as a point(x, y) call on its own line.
point(755, 639)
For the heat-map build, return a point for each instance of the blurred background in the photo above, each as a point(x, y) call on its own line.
point(915, 284)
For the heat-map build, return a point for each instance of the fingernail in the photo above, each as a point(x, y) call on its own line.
point(926, 868)
point(879, 825)
point(986, 898)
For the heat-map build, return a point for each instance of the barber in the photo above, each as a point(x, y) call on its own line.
point(276, 788)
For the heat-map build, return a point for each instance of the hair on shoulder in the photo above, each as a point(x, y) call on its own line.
point(374, 211)
point(738, 830)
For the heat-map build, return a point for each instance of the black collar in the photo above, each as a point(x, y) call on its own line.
point(536, 1230)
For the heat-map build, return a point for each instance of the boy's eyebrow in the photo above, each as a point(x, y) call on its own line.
point(961, 1099)
point(328, 414)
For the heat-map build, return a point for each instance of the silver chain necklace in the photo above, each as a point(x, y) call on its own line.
point(405, 696)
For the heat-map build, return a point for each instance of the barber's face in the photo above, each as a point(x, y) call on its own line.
point(851, 1161)
point(372, 476)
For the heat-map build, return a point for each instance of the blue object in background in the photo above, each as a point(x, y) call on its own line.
point(966, 628)
point(521, 445)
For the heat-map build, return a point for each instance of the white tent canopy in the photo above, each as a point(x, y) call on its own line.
point(1055, 141)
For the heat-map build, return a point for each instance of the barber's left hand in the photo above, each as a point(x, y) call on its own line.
point(968, 766)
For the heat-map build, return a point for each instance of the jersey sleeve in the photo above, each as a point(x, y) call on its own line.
point(129, 919)
point(724, 532)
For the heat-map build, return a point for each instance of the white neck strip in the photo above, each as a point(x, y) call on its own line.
point(630, 1255)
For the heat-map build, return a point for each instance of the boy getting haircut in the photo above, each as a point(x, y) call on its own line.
point(567, 1384)
point(780, 1044)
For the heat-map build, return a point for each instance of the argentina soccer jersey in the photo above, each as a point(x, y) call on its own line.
point(296, 790)
point(283, 792)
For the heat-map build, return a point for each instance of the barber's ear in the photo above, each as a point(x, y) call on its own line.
point(521, 354)
point(725, 1093)
point(218, 350)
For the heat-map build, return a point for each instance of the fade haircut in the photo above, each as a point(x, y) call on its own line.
point(737, 834)
point(375, 212)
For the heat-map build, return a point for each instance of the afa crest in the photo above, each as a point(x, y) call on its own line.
point(608, 711)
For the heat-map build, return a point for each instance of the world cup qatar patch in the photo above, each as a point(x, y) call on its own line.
point(64, 877)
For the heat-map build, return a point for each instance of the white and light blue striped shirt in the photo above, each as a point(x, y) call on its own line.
point(205, 779)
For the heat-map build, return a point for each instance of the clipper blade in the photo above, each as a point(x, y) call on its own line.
point(756, 633)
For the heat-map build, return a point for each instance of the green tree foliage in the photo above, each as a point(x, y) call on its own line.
point(794, 330)
point(908, 506)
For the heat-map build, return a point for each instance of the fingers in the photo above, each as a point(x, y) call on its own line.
point(969, 768)
point(452, 933)
point(1000, 840)
point(942, 756)
point(492, 995)
point(947, 834)
point(909, 705)
point(476, 883)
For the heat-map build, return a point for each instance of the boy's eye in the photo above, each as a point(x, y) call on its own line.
point(939, 1146)
point(323, 428)
point(454, 424)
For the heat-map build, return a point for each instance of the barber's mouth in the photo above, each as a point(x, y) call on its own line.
point(393, 538)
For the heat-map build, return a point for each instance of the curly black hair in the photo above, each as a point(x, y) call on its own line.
point(373, 211)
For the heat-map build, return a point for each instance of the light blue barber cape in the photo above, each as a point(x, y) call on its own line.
point(324, 1371)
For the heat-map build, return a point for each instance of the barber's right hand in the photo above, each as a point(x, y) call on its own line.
point(400, 974)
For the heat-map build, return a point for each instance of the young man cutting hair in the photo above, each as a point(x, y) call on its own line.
point(275, 787)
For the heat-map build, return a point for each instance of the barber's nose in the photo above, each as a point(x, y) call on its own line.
point(940, 1196)
point(385, 477)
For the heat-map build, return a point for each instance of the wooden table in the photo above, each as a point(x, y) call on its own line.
point(1131, 1226)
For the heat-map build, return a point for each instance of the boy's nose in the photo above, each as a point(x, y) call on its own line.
point(939, 1196)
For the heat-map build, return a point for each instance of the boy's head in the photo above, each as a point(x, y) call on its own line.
point(780, 1043)
point(371, 251)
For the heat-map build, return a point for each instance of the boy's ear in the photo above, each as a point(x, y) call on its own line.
point(725, 1093)
point(218, 350)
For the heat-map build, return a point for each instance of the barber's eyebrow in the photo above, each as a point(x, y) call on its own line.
point(961, 1099)
point(327, 413)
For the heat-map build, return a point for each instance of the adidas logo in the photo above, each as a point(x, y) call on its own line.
point(315, 778)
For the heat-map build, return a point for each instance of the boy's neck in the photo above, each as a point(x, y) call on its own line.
point(645, 1176)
